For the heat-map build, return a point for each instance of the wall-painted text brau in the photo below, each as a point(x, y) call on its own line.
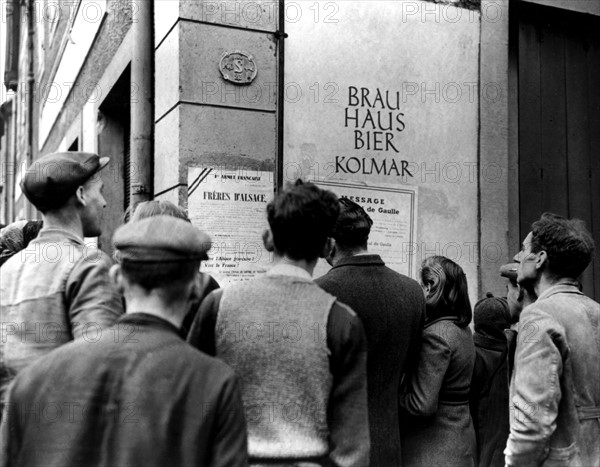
point(374, 118)
point(376, 121)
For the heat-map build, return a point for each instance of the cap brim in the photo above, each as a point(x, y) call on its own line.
point(103, 163)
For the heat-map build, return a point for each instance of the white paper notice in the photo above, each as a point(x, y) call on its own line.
point(393, 209)
point(230, 205)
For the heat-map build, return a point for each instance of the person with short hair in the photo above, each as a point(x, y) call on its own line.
point(138, 394)
point(205, 282)
point(391, 307)
point(555, 389)
point(57, 289)
point(440, 431)
point(299, 353)
point(155, 207)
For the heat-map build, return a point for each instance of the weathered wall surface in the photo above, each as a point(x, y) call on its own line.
point(201, 119)
point(392, 97)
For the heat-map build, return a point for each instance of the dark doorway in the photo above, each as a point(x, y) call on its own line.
point(559, 120)
point(114, 123)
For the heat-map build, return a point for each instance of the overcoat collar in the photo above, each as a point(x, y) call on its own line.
point(360, 260)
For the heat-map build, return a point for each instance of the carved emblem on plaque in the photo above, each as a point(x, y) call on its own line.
point(238, 67)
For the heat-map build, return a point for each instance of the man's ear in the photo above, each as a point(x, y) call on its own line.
point(543, 261)
point(267, 237)
point(328, 248)
point(196, 288)
point(80, 195)
point(116, 276)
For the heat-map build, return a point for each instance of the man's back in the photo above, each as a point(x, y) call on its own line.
point(300, 357)
point(55, 290)
point(138, 396)
point(391, 307)
point(558, 338)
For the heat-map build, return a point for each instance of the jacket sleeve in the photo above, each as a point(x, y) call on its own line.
point(348, 414)
point(412, 356)
point(421, 398)
point(94, 303)
point(202, 332)
point(230, 445)
point(535, 390)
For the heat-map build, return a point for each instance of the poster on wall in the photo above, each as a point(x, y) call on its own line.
point(230, 205)
point(393, 209)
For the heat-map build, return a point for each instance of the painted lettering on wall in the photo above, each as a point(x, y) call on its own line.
point(375, 117)
point(376, 120)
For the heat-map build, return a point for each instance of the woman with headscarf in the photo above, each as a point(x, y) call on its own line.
point(440, 430)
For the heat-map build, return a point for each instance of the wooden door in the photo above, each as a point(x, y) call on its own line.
point(559, 121)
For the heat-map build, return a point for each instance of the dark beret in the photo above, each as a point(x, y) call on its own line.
point(52, 179)
point(509, 271)
point(160, 239)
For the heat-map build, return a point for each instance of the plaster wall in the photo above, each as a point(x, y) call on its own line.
point(202, 120)
point(425, 56)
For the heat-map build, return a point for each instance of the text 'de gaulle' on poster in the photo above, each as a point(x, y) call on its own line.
point(393, 209)
point(230, 205)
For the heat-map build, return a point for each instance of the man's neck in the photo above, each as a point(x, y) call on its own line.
point(66, 219)
point(340, 255)
point(151, 305)
point(308, 266)
point(546, 281)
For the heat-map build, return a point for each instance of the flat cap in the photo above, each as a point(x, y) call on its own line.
point(53, 178)
point(160, 239)
point(509, 270)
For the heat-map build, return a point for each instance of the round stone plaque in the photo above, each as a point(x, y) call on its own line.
point(238, 67)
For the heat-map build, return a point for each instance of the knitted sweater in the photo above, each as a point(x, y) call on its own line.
point(286, 310)
point(268, 331)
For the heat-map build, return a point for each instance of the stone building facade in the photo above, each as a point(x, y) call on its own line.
point(424, 112)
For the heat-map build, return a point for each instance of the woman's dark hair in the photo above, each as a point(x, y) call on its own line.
point(448, 293)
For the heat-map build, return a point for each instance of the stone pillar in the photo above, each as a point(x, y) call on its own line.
point(498, 179)
point(201, 120)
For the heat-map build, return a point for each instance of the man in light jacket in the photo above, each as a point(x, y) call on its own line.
point(555, 389)
point(57, 289)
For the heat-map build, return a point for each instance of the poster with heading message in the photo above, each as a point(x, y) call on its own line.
point(230, 205)
point(393, 209)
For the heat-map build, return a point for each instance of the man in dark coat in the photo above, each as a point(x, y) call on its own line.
point(135, 394)
point(392, 309)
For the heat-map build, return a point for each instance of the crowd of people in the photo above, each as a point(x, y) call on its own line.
point(142, 359)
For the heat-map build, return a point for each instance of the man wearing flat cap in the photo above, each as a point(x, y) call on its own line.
point(139, 395)
point(57, 289)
